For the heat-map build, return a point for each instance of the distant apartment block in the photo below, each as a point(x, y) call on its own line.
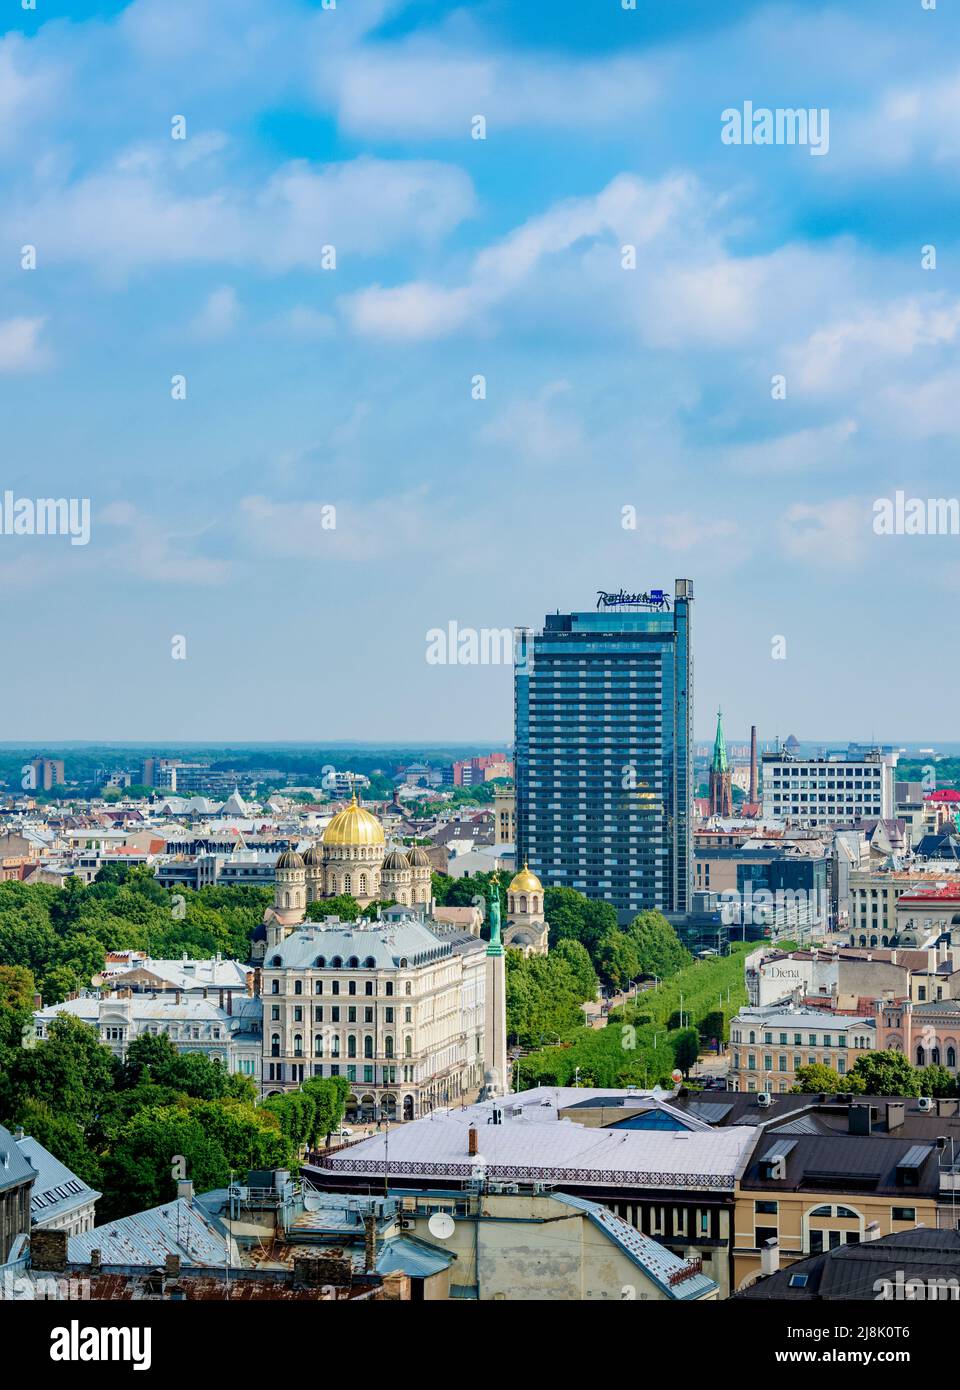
point(47, 773)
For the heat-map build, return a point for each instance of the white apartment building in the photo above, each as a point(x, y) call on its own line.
point(231, 1035)
point(392, 1006)
point(816, 792)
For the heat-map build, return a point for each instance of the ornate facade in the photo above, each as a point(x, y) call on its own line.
point(350, 858)
point(526, 929)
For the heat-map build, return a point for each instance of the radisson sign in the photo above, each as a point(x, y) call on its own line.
point(655, 598)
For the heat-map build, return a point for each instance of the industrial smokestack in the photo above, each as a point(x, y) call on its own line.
point(753, 762)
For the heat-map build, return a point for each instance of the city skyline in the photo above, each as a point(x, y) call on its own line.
point(627, 431)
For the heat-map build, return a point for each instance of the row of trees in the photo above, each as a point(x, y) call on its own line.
point(664, 1028)
point(545, 993)
point(878, 1074)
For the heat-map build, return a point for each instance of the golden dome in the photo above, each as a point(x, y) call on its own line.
point(313, 857)
point(354, 826)
point(289, 859)
point(525, 882)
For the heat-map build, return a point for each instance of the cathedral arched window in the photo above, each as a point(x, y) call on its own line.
point(363, 883)
point(346, 883)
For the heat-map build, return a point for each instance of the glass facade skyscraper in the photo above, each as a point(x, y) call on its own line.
point(603, 715)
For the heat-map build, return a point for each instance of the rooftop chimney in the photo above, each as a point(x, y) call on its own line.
point(859, 1119)
point(873, 1231)
point(770, 1256)
point(895, 1111)
point(473, 1144)
point(185, 1189)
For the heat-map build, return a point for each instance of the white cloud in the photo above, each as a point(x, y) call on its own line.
point(682, 530)
point(219, 315)
point(849, 351)
point(302, 322)
point(804, 450)
point(145, 550)
point(628, 208)
point(301, 530)
point(132, 215)
point(830, 534)
point(20, 348)
point(432, 88)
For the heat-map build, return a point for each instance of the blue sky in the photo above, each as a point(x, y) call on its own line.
point(605, 388)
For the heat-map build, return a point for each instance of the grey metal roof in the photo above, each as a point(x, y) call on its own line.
point(147, 1237)
point(659, 1264)
point(386, 944)
point(15, 1168)
point(915, 1157)
point(57, 1190)
point(413, 1257)
point(778, 1149)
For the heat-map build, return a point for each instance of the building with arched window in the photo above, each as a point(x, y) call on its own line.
point(350, 858)
point(396, 1006)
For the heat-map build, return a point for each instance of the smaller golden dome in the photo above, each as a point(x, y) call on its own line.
point(417, 858)
point(290, 859)
point(354, 826)
point(314, 857)
point(525, 882)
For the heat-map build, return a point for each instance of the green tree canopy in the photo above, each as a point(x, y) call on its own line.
point(659, 949)
point(885, 1074)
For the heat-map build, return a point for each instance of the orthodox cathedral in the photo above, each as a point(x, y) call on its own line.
point(352, 858)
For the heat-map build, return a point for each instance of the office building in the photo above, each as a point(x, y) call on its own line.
point(839, 790)
point(603, 710)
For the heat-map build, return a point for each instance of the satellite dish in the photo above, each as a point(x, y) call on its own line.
point(441, 1225)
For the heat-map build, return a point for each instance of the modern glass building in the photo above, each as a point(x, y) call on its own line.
point(603, 715)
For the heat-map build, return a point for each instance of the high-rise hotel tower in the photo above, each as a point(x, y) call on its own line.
point(603, 712)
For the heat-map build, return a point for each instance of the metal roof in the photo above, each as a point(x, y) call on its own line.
point(57, 1190)
point(385, 943)
point(147, 1237)
point(778, 1149)
point(673, 1274)
point(915, 1157)
point(15, 1167)
point(537, 1146)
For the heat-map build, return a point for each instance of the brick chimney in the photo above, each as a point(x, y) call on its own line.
point(473, 1143)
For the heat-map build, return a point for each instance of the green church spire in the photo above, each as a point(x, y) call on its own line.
point(719, 747)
